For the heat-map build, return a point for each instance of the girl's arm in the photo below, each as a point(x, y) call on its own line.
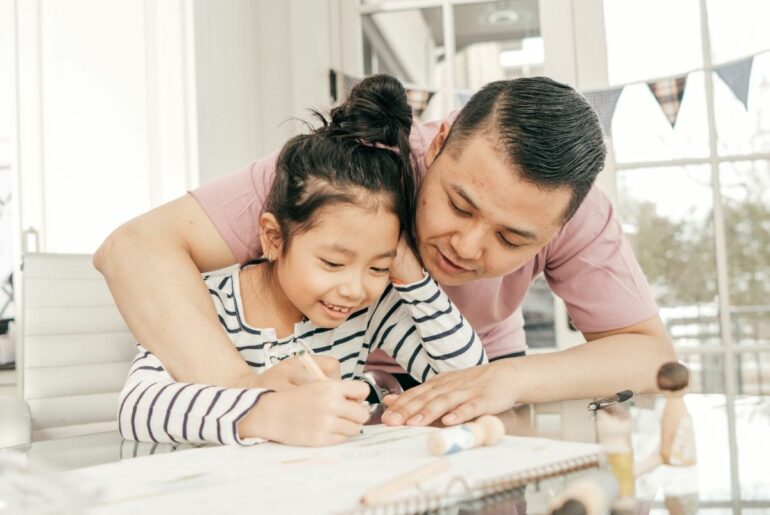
point(422, 329)
point(156, 408)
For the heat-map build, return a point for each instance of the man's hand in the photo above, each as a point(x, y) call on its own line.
point(291, 372)
point(455, 396)
point(406, 268)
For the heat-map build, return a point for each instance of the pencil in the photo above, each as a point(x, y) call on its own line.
point(311, 366)
point(384, 491)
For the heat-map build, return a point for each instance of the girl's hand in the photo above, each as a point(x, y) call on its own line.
point(313, 414)
point(406, 268)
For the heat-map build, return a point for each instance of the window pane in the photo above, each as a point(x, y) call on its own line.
point(738, 28)
point(641, 132)
point(651, 39)
point(752, 418)
point(745, 188)
point(538, 311)
point(496, 40)
point(744, 129)
point(410, 46)
point(753, 372)
point(667, 215)
point(706, 373)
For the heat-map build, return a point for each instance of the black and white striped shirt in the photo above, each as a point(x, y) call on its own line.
point(417, 324)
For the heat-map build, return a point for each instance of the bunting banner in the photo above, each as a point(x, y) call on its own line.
point(341, 83)
point(736, 75)
point(604, 102)
point(418, 99)
point(669, 93)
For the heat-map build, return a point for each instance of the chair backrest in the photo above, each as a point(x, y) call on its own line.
point(76, 347)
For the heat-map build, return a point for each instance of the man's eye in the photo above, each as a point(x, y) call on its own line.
point(506, 242)
point(330, 264)
point(454, 206)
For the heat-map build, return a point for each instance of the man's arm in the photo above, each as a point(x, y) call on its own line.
point(626, 358)
point(152, 265)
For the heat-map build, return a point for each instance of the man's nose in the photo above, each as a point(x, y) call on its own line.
point(467, 244)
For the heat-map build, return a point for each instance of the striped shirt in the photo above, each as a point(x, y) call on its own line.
point(416, 324)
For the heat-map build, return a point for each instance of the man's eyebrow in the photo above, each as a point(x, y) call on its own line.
point(513, 230)
point(339, 249)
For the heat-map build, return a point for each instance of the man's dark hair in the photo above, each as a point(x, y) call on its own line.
point(544, 128)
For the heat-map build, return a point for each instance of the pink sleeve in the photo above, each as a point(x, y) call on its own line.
point(591, 266)
point(234, 204)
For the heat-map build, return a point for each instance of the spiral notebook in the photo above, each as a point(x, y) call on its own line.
point(275, 478)
point(481, 473)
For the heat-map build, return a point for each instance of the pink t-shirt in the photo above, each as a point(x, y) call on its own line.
point(589, 263)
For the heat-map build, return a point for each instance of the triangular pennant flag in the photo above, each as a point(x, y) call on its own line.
point(669, 93)
point(418, 99)
point(736, 76)
point(348, 81)
point(604, 102)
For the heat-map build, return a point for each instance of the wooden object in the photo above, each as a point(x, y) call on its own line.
point(486, 430)
point(677, 438)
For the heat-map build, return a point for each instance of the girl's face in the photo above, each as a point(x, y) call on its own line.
point(341, 264)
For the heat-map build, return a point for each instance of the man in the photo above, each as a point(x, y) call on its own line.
point(506, 195)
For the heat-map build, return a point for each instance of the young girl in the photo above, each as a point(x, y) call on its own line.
point(330, 235)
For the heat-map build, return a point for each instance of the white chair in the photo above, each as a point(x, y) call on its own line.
point(76, 347)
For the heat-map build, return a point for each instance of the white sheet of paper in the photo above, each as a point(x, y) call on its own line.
point(276, 478)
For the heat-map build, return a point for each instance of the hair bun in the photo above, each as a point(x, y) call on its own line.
point(376, 111)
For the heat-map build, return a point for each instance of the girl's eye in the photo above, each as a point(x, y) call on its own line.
point(330, 264)
point(506, 242)
point(457, 209)
point(380, 270)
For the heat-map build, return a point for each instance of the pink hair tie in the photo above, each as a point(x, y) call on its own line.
point(377, 144)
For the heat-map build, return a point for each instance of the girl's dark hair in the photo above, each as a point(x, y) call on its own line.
point(360, 151)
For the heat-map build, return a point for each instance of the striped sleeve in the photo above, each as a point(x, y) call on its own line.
point(153, 407)
point(424, 331)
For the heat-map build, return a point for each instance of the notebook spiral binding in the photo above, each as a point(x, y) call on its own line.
point(435, 501)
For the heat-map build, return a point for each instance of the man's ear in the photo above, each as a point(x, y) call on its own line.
point(270, 236)
point(434, 149)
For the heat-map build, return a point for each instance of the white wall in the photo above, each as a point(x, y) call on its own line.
point(258, 64)
point(103, 111)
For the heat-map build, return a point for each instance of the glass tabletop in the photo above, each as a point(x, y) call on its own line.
point(732, 474)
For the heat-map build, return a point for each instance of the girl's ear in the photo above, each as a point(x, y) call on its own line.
point(270, 236)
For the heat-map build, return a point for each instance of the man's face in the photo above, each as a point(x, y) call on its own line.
point(476, 218)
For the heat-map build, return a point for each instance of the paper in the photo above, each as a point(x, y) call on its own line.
point(276, 478)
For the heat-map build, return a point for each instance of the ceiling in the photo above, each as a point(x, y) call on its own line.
point(504, 20)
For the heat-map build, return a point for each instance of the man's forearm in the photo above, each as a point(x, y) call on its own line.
point(160, 294)
point(596, 368)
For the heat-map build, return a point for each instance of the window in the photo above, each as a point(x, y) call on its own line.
point(694, 194)
point(451, 48)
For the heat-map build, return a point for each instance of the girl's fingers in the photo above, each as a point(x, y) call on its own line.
point(354, 412)
point(355, 390)
point(343, 426)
